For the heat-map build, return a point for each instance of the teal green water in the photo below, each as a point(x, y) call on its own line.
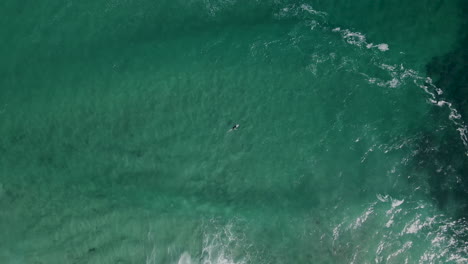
point(115, 148)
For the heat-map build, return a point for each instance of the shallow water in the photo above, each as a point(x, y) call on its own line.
point(352, 144)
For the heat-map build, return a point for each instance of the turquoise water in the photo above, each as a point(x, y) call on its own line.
point(352, 146)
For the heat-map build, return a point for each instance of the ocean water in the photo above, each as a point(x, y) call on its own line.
point(352, 145)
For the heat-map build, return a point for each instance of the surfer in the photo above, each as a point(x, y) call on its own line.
point(235, 127)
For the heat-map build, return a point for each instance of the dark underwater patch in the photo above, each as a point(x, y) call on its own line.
point(444, 157)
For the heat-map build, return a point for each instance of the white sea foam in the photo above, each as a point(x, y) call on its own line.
point(309, 9)
point(363, 218)
point(393, 210)
point(336, 232)
point(405, 247)
point(414, 227)
point(382, 198)
point(381, 47)
point(317, 60)
point(359, 39)
point(185, 258)
point(214, 7)
point(399, 74)
point(418, 224)
point(443, 235)
point(218, 245)
point(355, 38)
point(393, 246)
point(396, 202)
point(303, 11)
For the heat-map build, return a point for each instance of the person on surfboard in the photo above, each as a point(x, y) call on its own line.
point(235, 127)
